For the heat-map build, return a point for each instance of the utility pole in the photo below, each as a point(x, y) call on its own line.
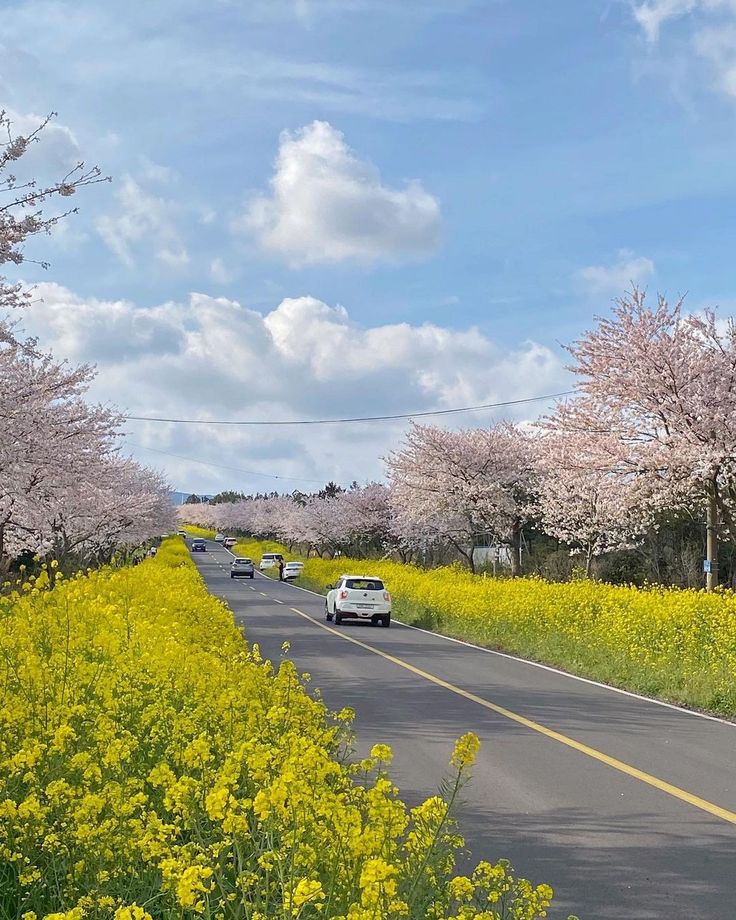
point(711, 562)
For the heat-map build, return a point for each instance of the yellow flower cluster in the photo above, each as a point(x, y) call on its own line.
point(153, 766)
point(676, 644)
point(194, 531)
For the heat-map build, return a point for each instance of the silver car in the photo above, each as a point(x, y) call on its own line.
point(242, 566)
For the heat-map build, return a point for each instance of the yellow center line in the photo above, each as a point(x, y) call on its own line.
point(619, 765)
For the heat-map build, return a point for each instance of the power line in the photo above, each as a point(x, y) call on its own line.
point(343, 421)
point(221, 466)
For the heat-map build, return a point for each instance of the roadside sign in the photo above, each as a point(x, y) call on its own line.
point(706, 565)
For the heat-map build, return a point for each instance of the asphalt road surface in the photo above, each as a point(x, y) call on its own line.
point(626, 807)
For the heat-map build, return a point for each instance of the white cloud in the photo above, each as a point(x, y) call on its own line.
point(707, 36)
point(144, 222)
point(718, 47)
point(652, 15)
point(617, 277)
point(326, 205)
point(212, 358)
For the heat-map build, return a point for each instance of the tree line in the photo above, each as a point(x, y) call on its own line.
point(631, 478)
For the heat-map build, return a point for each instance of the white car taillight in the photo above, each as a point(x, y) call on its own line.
point(386, 596)
point(343, 595)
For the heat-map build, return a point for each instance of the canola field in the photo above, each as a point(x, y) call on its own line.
point(153, 766)
point(673, 644)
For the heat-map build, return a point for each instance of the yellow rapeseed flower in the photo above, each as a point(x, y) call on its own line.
point(466, 750)
point(141, 734)
point(382, 752)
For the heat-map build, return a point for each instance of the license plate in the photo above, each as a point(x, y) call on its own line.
point(365, 606)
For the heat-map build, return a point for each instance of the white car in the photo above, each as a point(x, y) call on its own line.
point(242, 566)
point(358, 597)
point(228, 542)
point(219, 537)
point(293, 570)
point(270, 561)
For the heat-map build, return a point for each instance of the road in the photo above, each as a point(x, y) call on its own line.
point(625, 806)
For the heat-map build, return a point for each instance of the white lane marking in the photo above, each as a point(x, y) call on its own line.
point(545, 667)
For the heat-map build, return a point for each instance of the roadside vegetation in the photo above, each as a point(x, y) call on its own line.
point(152, 765)
point(199, 532)
point(676, 645)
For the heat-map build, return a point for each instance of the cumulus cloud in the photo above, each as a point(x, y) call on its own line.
point(326, 205)
point(107, 332)
point(211, 358)
point(617, 277)
point(144, 222)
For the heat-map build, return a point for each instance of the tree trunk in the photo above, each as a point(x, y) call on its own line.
point(711, 576)
point(4, 560)
point(516, 550)
point(588, 560)
point(467, 556)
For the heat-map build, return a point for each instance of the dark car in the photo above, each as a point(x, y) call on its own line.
point(199, 546)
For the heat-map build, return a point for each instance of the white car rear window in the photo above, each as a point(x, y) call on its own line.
point(364, 584)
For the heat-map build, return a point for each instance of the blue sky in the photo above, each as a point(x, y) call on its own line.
point(379, 205)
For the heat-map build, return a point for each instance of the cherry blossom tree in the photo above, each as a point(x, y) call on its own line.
point(590, 509)
point(320, 523)
point(48, 434)
point(368, 518)
point(117, 503)
point(454, 486)
point(63, 489)
point(657, 404)
point(354, 520)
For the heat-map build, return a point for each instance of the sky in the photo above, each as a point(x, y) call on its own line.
point(333, 208)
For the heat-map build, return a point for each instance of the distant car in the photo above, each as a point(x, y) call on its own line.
point(358, 597)
point(199, 545)
point(293, 570)
point(228, 542)
point(270, 561)
point(181, 533)
point(242, 566)
point(219, 537)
